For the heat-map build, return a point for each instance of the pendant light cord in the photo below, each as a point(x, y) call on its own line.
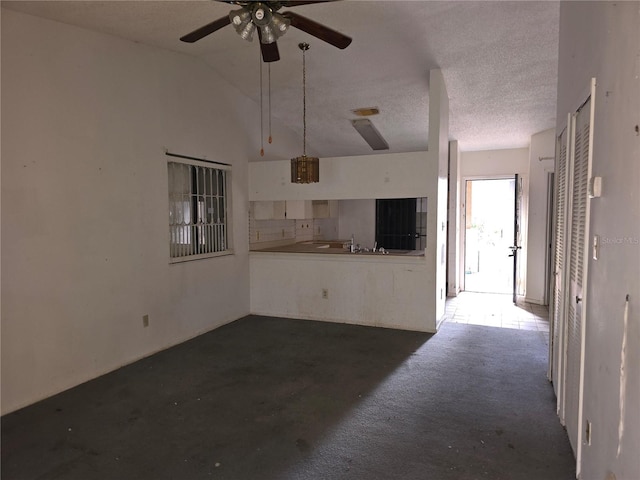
point(304, 48)
point(261, 111)
point(269, 100)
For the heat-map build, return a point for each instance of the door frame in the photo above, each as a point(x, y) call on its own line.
point(517, 235)
point(548, 273)
point(463, 212)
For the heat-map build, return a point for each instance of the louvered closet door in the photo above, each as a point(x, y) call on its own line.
point(580, 176)
point(557, 314)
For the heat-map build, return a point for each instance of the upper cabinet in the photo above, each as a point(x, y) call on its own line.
point(299, 209)
point(294, 209)
point(269, 210)
point(325, 208)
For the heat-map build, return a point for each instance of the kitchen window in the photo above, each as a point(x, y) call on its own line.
point(401, 223)
point(198, 210)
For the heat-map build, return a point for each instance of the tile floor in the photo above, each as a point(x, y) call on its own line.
point(496, 310)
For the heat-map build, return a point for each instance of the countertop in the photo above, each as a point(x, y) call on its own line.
point(332, 247)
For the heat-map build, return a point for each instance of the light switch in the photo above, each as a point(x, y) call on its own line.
point(595, 187)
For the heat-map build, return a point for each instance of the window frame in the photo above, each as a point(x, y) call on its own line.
point(195, 205)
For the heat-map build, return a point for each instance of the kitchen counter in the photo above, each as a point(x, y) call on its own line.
point(322, 281)
point(333, 247)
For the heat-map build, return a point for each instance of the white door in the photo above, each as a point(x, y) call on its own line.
point(571, 267)
point(574, 299)
point(577, 272)
point(558, 304)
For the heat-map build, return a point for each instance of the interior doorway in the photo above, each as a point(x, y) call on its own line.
point(490, 229)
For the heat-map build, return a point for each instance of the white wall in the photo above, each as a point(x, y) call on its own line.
point(358, 218)
point(601, 40)
point(358, 178)
point(85, 120)
point(439, 148)
point(542, 147)
point(402, 175)
point(394, 175)
point(487, 163)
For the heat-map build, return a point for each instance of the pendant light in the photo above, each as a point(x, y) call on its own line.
point(304, 169)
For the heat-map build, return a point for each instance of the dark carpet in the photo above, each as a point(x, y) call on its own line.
point(271, 398)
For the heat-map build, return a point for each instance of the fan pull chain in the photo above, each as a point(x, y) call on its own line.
point(261, 112)
point(269, 100)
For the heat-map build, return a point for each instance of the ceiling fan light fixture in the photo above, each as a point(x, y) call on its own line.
point(268, 34)
point(246, 32)
point(280, 23)
point(241, 21)
point(247, 20)
point(261, 14)
point(239, 17)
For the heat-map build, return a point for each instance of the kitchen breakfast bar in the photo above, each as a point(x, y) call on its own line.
point(324, 281)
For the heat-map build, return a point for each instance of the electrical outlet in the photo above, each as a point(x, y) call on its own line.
point(325, 293)
point(145, 321)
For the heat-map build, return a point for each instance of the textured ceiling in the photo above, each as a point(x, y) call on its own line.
point(499, 61)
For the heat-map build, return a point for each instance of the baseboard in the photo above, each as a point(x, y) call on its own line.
point(534, 300)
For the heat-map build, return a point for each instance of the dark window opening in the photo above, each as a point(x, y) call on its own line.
point(401, 223)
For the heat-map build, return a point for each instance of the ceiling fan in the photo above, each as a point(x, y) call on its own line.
point(263, 17)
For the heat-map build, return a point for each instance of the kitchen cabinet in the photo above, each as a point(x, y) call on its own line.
point(299, 209)
point(269, 210)
point(294, 209)
point(363, 289)
point(325, 208)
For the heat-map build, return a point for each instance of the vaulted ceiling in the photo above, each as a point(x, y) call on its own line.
point(499, 61)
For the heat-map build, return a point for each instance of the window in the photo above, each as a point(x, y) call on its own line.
point(197, 211)
point(401, 223)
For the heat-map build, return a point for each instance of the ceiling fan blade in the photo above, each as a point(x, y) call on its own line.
point(206, 30)
point(318, 30)
point(281, 3)
point(294, 3)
